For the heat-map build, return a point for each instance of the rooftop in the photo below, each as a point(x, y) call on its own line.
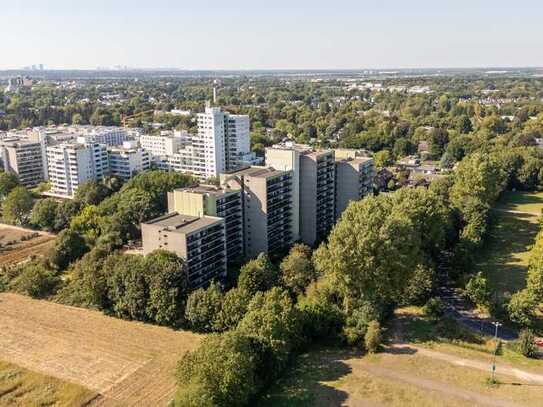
point(185, 224)
point(257, 172)
point(208, 189)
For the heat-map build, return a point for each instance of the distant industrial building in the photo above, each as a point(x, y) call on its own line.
point(200, 241)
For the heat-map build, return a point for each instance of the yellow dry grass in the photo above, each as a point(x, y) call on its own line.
point(127, 363)
point(21, 387)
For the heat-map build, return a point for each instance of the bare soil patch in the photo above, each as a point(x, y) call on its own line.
point(17, 244)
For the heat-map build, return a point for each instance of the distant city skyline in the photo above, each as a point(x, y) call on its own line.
point(247, 35)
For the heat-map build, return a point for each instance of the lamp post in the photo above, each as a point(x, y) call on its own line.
point(496, 325)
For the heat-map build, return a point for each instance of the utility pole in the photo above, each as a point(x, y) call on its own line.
point(496, 325)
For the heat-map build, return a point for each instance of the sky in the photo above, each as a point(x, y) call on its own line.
point(271, 34)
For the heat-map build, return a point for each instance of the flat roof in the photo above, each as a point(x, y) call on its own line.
point(257, 172)
point(185, 224)
point(208, 189)
point(357, 160)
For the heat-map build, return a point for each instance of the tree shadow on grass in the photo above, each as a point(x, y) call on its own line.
point(511, 200)
point(309, 381)
point(504, 255)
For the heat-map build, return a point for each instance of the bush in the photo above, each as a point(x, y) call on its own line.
point(434, 308)
point(357, 322)
point(477, 290)
point(35, 279)
point(373, 337)
point(521, 308)
point(526, 344)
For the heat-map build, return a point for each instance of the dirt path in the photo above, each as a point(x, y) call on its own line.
point(501, 369)
point(433, 385)
point(516, 212)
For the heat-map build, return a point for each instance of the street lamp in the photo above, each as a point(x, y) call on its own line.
point(496, 325)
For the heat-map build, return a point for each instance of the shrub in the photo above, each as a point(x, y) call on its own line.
point(477, 290)
point(526, 343)
point(521, 308)
point(373, 337)
point(35, 279)
point(434, 308)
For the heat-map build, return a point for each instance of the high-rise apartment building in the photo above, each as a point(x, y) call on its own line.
point(200, 241)
point(213, 201)
point(109, 135)
point(354, 180)
point(23, 158)
point(71, 164)
point(313, 188)
point(267, 207)
point(221, 144)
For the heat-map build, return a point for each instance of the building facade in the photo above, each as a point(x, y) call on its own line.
point(208, 200)
point(71, 164)
point(267, 207)
point(354, 180)
point(128, 160)
point(200, 241)
point(313, 188)
point(23, 158)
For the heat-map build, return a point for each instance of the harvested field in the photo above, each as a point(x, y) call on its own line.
point(17, 244)
point(127, 363)
point(21, 387)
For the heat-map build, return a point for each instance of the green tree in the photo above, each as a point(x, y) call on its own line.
point(477, 290)
point(526, 343)
point(274, 322)
point(221, 372)
point(35, 279)
point(167, 282)
point(127, 286)
point(69, 246)
point(44, 214)
point(463, 125)
point(8, 181)
point(297, 269)
point(383, 159)
point(17, 206)
point(203, 308)
point(258, 275)
point(91, 193)
point(234, 307)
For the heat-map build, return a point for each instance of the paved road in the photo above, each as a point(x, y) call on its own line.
point(458, 308)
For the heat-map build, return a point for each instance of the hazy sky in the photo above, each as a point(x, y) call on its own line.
point(259, 34)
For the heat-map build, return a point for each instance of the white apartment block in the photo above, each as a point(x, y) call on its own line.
point(222, 143)
point(163, 145)
point(110, 136)
point(23, 158)
point(128, 160)
point(72, 164)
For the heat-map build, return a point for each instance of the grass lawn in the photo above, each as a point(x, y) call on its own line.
point(522, 201)
point(21, 387)
point(408, 375)
point(504, 258)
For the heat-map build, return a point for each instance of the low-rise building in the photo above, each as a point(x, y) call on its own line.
point(200, 241)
